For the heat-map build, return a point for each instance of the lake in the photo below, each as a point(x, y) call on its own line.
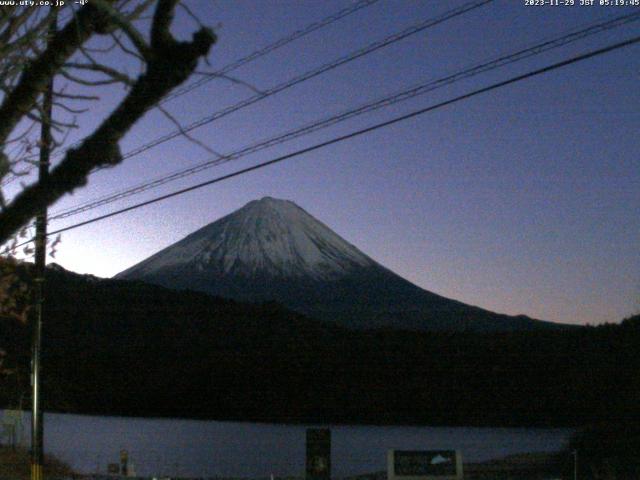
point(192, 448)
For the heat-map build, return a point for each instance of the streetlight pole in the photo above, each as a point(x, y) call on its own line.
point(37, 454)
point(575, 464)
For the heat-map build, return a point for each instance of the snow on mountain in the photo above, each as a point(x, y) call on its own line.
point(272, 249)
point(267, 237)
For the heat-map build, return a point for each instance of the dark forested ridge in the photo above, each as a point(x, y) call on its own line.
point(128, 348)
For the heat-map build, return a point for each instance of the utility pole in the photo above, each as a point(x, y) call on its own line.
point(37, 454)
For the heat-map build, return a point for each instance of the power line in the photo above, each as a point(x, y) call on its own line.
point(377, 45)
point(572, 36)
point(360, 132)
point(389, 40)
point(272, 47)
point(312, 27)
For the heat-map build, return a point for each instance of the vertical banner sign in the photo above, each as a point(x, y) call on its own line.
point(318, 465)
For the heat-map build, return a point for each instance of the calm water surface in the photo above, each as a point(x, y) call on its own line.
point(206, 449)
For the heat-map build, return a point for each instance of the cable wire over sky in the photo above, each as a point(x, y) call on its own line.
point(312, 27)
point(356, 54)
point(377, 45)
point(357, 133)
point(272, 47)
point(421, 89)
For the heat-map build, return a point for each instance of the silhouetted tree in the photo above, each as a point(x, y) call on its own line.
point(36, 45)
point(28, 62)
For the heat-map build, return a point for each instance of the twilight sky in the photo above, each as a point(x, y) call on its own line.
point(522, 200)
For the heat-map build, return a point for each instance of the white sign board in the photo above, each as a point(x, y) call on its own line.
point(424, 465)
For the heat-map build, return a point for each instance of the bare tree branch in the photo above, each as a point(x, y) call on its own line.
point(112, 73)
point(125, 49)
point(125, 25)
point(38, 74)
point(186, 134)
point(69, 96)
point(170, 62)
point(232, 79)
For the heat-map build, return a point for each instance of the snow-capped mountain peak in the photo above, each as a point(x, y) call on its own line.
point(272, 249)
point(266, 237)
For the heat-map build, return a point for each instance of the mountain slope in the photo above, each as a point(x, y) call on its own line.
point(268, 237)
point(272, 249)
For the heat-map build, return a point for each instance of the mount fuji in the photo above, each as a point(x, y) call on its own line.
point(273, 250)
